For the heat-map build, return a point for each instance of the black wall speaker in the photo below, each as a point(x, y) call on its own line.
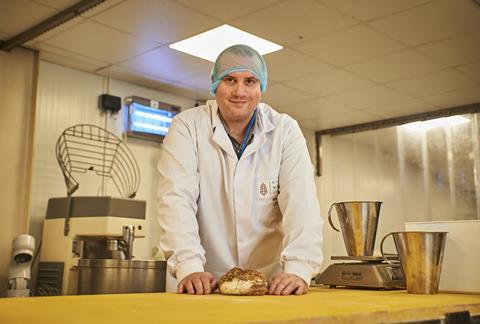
point(110, 103)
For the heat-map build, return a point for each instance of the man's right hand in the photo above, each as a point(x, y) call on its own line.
point(198, 283)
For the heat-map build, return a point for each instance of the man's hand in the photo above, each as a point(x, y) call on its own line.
point(286, 284)
point(198, 283)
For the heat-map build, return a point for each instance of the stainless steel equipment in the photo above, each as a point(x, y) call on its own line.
point(86, 231)
point(421, 256)
point(363, 272)
point(358, 221)
point(97, 276)
point(100, 228)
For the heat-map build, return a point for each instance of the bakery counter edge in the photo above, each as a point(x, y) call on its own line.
point(320, 305)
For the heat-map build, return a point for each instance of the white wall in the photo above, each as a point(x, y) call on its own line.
point(67, 97)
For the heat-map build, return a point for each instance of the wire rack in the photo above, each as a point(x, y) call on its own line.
point(81, 148)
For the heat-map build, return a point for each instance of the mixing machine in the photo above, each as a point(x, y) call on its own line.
point(87, 236)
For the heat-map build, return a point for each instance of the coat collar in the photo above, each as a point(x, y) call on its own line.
point(263, 126)
point(264, 122)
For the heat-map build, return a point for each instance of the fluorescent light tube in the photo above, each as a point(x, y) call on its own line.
point(156, 128)
point(153, 116)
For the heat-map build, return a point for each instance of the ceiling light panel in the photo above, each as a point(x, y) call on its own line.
point(209, 44)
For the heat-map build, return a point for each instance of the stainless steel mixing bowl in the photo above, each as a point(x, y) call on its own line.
point(109, 276)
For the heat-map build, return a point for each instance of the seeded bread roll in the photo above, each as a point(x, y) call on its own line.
point(243, 282)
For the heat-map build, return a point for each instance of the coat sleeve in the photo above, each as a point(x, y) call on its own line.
point(302, 224)
point(177, 196)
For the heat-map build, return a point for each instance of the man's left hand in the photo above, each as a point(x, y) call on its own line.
point(286, 284)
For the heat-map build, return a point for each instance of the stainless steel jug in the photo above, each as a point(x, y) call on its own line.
point(421, 255)
point(358, 221)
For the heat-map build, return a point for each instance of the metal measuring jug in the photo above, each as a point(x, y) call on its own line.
point(421, 255)
point(358, 222)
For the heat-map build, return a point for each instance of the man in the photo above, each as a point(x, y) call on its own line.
point(236, 187)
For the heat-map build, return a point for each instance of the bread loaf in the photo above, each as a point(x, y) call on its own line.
point(243, 282)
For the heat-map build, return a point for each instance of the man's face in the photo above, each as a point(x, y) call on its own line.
point(237, 96)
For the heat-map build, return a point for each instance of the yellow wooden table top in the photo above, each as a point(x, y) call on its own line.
point(319, 305)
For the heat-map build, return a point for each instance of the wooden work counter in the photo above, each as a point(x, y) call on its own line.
point(320, 305)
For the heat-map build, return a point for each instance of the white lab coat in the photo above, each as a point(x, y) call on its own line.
point(216, 212)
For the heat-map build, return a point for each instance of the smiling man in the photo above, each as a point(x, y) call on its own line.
point(236, 187)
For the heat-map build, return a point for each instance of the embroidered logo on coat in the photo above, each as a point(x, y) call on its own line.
point(263, 191)
point(268, 189)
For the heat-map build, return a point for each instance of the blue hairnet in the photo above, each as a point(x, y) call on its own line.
point(239, 58)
